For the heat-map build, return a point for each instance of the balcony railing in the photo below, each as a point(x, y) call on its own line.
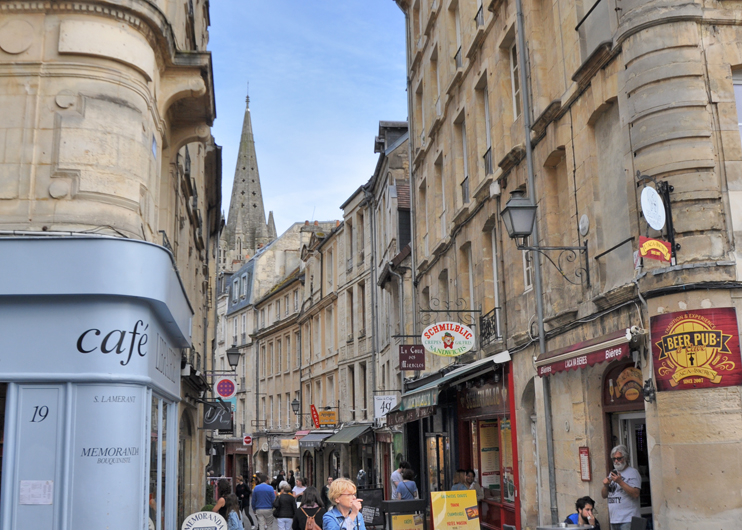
point(479, 18)
point(488, 162)
point(458, 59)
point(489, 327)
point(349, 265)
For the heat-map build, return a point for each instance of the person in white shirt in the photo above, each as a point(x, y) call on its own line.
point(397, 476)
point(622, 488)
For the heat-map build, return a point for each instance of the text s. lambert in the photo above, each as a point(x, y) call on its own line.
point(115, 341)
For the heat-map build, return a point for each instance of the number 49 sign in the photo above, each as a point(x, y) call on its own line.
point(383, 404)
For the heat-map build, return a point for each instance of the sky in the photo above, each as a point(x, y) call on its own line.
point(321, 74)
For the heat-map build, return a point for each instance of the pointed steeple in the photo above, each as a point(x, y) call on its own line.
point(271, 226)
point(246, 210)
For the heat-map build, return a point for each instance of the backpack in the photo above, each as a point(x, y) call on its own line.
point(311, 523)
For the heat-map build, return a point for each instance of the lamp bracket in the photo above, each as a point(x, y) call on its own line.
point(566, 255)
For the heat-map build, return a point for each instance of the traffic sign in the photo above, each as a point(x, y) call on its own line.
point(247, 440)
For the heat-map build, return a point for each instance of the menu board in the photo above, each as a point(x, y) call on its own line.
point(454, 509)
point(489, 457)
point(508, 484)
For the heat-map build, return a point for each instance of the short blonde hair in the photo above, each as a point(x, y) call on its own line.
point(340, 486)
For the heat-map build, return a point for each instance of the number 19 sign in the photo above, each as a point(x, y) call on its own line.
point(448, 339)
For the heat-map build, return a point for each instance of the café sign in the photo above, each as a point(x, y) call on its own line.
point(448, 339)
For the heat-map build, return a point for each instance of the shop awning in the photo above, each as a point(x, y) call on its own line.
point(427, 395)
point(313, 440)
point(588, 353)
point(301, 434)
point(348, 434)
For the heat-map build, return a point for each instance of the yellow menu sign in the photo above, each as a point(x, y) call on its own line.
point(407, 522)
point(454, 510)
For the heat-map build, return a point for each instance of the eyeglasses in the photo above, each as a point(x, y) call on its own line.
point(351, 494)
point(618, 458)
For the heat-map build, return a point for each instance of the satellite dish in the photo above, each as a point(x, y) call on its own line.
point(264, 447)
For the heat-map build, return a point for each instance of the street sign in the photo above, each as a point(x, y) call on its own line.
point(225, 388)
point(247, 440)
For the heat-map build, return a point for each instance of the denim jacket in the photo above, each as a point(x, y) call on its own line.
point(334, 520)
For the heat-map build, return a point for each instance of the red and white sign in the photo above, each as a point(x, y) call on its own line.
point(225, 388)
point(589, 353)
point(585, 473)
point(315, 416)
point(247, 440)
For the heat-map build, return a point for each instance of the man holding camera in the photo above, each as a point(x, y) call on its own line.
point(622, 488)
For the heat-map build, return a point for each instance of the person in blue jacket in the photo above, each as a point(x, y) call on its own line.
point(584, 515)
point(346, 513)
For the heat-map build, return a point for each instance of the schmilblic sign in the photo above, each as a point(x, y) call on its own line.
point(448, 339)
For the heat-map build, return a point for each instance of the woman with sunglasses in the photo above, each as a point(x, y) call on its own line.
point(346, 512)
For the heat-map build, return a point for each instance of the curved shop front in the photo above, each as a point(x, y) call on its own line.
point(92, 329)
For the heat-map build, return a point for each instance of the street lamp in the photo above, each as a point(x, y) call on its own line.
point(519, 217)
point(295, 406)
point(233, 356)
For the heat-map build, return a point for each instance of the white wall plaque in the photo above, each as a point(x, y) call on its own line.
point(37, 491)
point(652, 208)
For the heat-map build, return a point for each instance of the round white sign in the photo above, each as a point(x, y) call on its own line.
point(652, 208)
point(225, 388)
point(204, 521)
point(448, 339)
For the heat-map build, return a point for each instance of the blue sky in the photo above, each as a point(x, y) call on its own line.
point(322, 75)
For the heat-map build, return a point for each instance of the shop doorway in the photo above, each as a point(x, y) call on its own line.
point(438, 453)
point(623, 402)
point(632, 432)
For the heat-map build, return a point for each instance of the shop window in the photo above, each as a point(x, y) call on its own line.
point(158, 462)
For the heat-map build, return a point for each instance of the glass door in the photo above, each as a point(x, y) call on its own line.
point(438, 451)
point(632, 430)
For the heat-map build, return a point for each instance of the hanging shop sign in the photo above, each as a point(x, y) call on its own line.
point(328, 417)
point(383, 405)
point(696, 349)
point(315, 416)
point(411, 357)
point(448, 339)
point(217, 417)
point(655, 249)
point(623, 386)
point(653, 209)
point(457, 509)
point(225, 388)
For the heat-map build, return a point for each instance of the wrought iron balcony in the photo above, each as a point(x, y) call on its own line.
point(489, 327)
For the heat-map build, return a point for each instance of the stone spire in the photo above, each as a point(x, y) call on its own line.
point(246, 212)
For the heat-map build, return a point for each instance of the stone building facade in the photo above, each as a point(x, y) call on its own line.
point(106, 148)
point(623, 97)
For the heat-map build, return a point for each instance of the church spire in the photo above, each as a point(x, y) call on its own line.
point(246, 210)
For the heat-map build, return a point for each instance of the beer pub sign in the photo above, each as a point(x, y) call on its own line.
point(696, 349)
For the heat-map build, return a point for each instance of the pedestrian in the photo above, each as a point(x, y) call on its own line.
point(407, 489)
point(223, 488)
point(473, 484)
point(232, 506)
point(284, 507)
point(262, 503)
point(346, 512)
point(622, 488)
point(459, 481)
point(243, 493)
point(584, 515)
point(325, 490)
point(397, 477)
point(300, 487)
point(311, 506)
point(291, 480)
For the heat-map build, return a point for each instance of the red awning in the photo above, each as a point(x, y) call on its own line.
point(300, 434)
point(588, 353)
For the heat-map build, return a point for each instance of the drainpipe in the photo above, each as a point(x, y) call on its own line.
point(370, 201)
point(526, 100)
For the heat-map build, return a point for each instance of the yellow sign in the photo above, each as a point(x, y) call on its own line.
point(328, 417)
point(407, 522)
point(454, 510)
